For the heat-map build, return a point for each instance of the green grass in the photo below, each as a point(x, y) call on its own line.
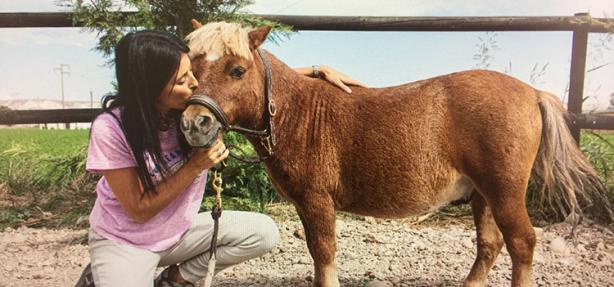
point(599, 149)
point(43, 181)
point(41, 158)
point(42, 177)
point(43, 141)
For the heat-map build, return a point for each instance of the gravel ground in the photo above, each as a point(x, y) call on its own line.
point(370, 253)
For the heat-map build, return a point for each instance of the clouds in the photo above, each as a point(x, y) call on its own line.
point(68, 37)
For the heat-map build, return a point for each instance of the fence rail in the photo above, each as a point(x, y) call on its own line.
point(580, 24)
point(19, 117)
point(585, 121)
point(367, 23)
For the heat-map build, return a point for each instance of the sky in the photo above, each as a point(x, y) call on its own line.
point(29, 56)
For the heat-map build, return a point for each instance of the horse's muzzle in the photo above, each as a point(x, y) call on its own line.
point(200, 130)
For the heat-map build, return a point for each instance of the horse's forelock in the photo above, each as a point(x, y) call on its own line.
point(217, 39)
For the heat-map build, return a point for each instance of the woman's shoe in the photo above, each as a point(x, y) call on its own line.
point(86, 279)
point(164, 280)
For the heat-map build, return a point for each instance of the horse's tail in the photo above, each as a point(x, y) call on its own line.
point(569, 182)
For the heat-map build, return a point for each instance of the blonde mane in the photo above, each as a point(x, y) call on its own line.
point(217, 39)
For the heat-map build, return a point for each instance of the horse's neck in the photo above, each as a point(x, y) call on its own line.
point(309, 111)
point(291, 88)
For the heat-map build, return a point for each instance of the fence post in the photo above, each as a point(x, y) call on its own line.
point(576, 77)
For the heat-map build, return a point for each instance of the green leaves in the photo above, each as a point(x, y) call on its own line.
point(43, 177)
point(112, 19)
point(245, 185)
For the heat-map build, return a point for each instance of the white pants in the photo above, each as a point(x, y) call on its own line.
point(241, 236)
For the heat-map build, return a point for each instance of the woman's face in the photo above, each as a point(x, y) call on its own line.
point(177, 91)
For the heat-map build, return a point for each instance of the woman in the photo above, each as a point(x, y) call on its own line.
point(146, 213)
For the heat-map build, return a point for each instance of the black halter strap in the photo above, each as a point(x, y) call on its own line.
point(267, 135)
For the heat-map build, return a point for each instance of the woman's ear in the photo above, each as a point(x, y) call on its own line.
point(258, 36)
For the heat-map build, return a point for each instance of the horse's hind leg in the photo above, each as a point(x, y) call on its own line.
point(506, 200)
point(489, 241)
point(317, 214)
point(513, 219)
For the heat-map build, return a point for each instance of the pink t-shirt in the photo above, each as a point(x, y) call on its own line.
point(109, 149)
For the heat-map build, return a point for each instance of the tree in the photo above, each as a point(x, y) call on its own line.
point(4, 108)
point(105, 18)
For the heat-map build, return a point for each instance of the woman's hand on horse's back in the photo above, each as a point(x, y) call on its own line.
point(203, 158)
point(339, 79)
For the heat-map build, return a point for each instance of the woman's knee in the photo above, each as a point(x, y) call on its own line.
point(264, 232)
point(269, 233)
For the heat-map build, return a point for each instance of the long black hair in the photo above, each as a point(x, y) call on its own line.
point(145, 61)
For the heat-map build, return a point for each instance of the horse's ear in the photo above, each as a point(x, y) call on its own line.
point(196, 24)
point(258, 36)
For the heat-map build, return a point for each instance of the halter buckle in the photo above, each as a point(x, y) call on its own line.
point(266, 143)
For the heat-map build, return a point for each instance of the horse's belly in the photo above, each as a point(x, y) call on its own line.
point(401, 202)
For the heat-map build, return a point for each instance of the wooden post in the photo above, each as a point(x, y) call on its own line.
point(576, 77)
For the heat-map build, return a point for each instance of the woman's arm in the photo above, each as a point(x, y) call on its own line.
point(141, 206)
point(333, 76)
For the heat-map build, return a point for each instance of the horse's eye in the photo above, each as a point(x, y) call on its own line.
point(237, 72)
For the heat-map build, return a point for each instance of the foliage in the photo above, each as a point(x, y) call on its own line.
point(486, 46)
point(42, 177)
point(537, 72)
point(599, 149)
point(43, 181)
point(4, 108)
point(105, 17)
point(247, 182)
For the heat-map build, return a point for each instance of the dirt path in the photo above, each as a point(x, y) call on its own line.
point(371, 253)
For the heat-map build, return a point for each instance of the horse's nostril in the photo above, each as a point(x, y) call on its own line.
point(203, 121)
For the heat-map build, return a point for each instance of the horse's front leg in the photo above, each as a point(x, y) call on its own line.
point(317, 213)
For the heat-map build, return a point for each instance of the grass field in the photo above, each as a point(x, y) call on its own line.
point(52, 142)
point(599, 149)
point(43, 181)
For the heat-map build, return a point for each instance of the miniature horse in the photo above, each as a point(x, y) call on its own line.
point(392, 152)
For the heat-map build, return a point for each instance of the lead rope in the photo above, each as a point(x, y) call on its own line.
point(216, 212)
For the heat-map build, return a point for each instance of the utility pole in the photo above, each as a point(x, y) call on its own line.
point(63, 72)
point(63, 69)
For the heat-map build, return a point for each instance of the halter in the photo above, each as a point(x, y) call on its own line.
point(267, 135)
